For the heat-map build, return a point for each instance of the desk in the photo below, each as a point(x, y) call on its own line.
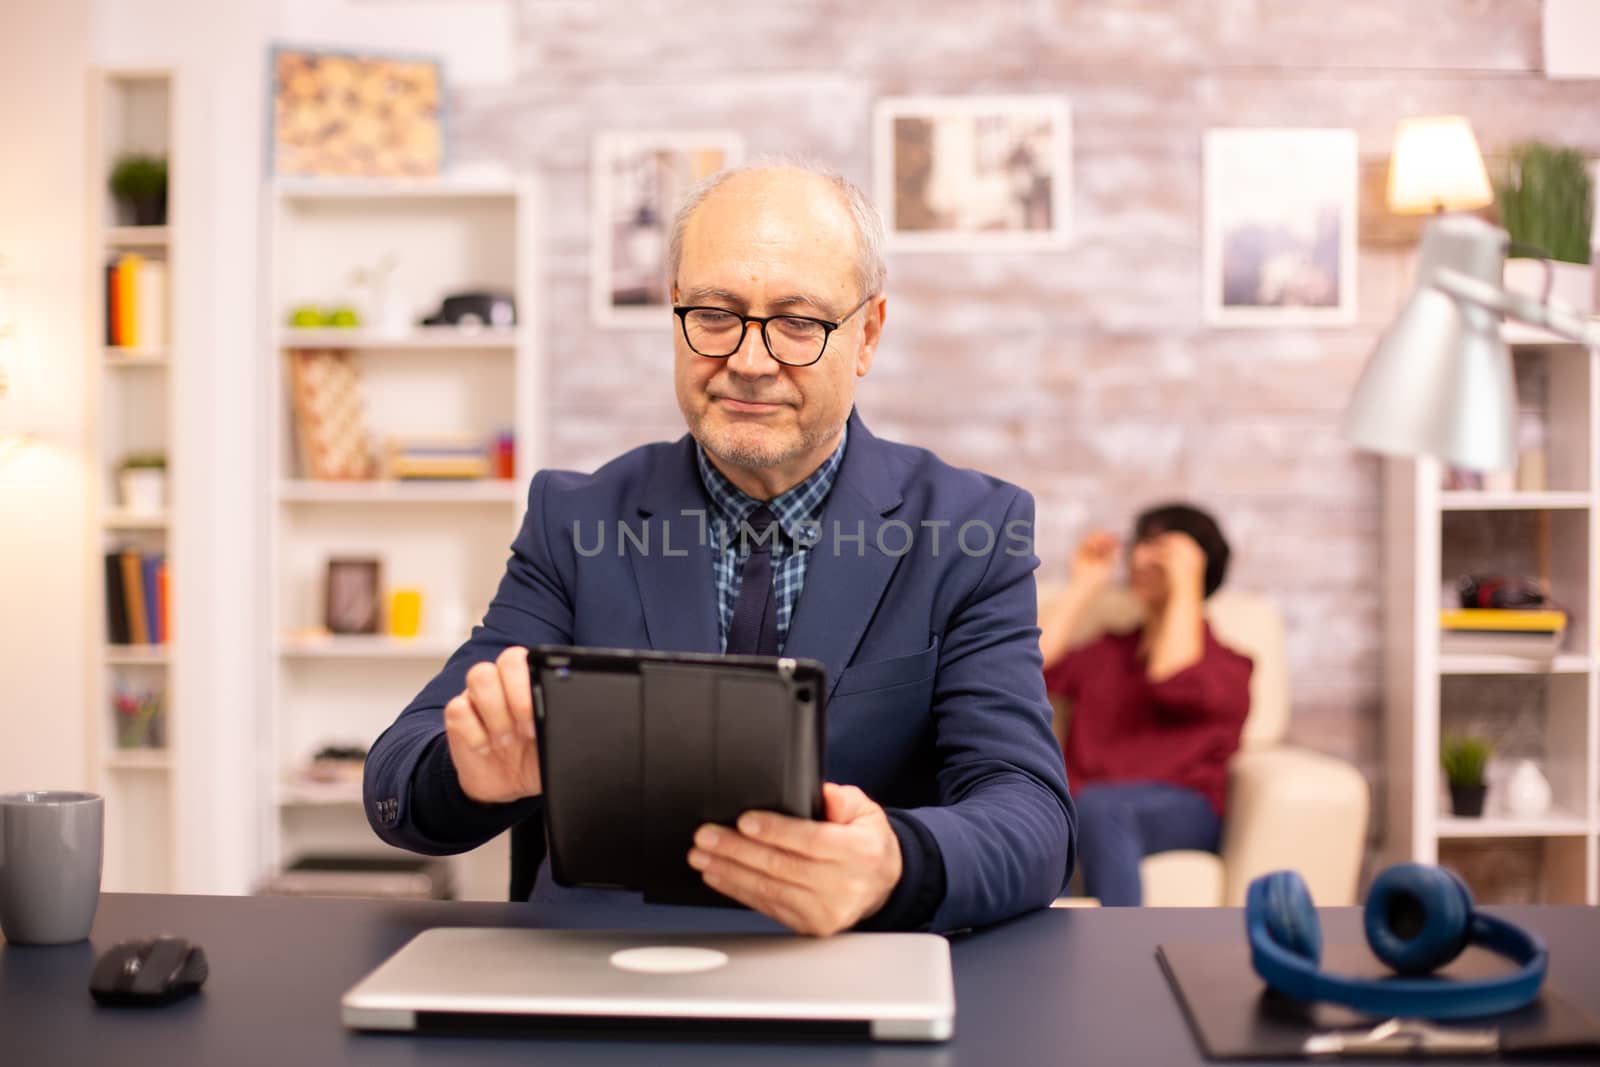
point(1075, 987)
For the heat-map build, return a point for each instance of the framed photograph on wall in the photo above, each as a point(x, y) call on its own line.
point(1280, 227)
point(639, 179)
point(350, 115)
point(353, 596)
point(964, 173)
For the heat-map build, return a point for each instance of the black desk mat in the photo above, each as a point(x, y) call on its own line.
point(1233, 1015)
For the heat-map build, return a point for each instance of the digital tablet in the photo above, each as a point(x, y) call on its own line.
point(638, 749)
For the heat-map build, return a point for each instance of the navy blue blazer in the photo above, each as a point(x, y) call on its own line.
point(919, 598)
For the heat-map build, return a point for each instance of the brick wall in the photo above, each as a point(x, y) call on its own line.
point(1084, 374)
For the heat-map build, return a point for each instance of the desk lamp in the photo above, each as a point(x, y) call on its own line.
point(1440, 382)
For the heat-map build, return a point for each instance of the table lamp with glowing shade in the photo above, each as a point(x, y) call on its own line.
point(1436, 166)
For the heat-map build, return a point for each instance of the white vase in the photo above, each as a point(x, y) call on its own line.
point(1570, 283)
point(144, 490)
point(1526, 793)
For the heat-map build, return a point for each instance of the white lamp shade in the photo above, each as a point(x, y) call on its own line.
point(1436, 166)
point(1440, 383)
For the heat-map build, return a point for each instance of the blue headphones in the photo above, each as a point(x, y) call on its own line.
point(1418, 919)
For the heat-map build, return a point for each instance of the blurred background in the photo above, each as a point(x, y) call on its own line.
point(1067, 190)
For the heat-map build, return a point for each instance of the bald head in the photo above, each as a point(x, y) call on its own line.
point(836, 210)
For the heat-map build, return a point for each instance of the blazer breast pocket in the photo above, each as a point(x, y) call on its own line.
point(889, 673)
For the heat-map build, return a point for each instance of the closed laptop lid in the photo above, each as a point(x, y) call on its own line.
point(884, 986)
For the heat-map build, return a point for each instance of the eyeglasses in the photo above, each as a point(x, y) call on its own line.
point(793, 340)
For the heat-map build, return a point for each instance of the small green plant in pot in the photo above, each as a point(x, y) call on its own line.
point(143, 478)
point(1546, 203)
point(1464, 760)
point(140, 183)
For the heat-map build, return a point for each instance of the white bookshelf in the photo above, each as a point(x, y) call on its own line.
point(139, 237)
point(137, 760)
point(449, 539)
point(379, 491)
point(135, 357)
point(122, 519)
point(1476, 500)
point(130, 393)
point(423, 337)
point(435, 650)
point(1545, 710)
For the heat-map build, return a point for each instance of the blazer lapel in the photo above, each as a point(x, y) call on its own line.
point(671, 558)
point(846, 577)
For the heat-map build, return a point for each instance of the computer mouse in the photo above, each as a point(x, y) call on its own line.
point(154, 971)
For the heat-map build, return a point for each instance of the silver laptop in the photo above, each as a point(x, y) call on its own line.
point(886, 987)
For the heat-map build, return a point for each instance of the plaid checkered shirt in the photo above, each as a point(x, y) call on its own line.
point(796, 512)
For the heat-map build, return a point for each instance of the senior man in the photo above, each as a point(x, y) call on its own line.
point(912, 581)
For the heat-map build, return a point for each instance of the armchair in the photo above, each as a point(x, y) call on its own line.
point(1287, 807)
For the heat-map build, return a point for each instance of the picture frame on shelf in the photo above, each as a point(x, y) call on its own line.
point(353, 595)
point(973, 173)
point(348, 114)
point(638, 181)
point(1279, 245)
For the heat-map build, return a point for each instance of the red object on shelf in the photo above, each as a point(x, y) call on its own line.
point(505, 456)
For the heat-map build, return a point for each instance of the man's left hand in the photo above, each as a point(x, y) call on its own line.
point(814, 877)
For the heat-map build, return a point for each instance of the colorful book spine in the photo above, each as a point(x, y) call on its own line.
point(1504, 620)
point(164, 599)
point(111, 302)
point(133, 591)
point(150, 567)
point(127, 299)
point(116, 601)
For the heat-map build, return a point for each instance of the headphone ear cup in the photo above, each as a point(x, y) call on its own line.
point(1418, 918)
point(1290, 917)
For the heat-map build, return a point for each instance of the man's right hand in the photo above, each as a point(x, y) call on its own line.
point(489, 727)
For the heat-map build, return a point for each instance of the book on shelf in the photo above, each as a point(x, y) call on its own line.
point(138, 592)
point(452, 457)
point(1525, 633)
point(1503, 620)
point(136, 302)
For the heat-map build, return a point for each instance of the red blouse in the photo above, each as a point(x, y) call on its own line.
point(1125, 727)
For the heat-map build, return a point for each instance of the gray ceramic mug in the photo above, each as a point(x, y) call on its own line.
point(50, 848)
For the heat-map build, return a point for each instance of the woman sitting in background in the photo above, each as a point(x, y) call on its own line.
point(1156, 713)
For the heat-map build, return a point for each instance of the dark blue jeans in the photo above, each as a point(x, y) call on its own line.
point(1120, 823)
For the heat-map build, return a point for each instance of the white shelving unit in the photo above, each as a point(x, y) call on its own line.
point(450, 540)
point(130, 397)
point(1545, 711)
point(489, 491)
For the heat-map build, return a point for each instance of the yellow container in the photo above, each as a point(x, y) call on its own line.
point(405, 612)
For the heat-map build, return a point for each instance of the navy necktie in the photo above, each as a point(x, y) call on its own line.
point(754, 629)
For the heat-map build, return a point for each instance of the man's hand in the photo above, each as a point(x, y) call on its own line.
point(1185, 564)
point(814, 877)
point(1094, 563)
point(489, 727)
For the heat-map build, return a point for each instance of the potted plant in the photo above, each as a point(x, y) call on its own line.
point(139, 183)
point(143, 480)
point(1464, 760)
point(138, 719)
point(1546, 202)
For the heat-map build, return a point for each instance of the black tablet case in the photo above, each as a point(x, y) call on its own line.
point(638, 750)
point(1235, 1017)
